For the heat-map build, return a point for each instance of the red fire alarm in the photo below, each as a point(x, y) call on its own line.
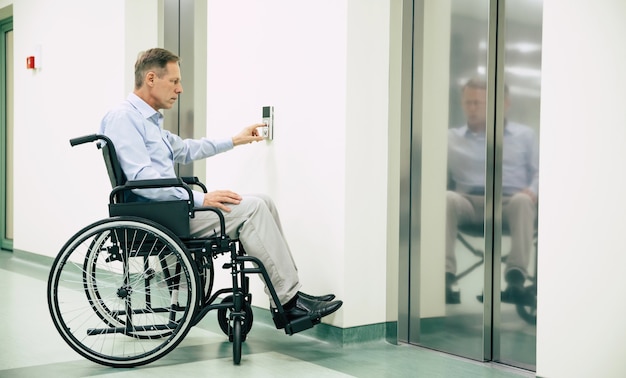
point(30, 62)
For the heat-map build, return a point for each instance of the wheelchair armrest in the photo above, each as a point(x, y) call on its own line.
point(156, 183)
point(152, 184)
point(194, 181)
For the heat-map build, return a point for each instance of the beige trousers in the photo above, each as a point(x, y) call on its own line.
point(518, 214)
point(255, 222)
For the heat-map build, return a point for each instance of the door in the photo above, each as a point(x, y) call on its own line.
point(181, 18)
point(474, 178)
point(6, 133)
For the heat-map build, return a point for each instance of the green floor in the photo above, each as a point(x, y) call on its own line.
point(31, 347)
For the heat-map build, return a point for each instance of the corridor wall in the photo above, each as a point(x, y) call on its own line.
point(319, 63)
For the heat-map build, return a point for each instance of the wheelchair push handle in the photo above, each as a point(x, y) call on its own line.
point(88, 139)
point(83, 139)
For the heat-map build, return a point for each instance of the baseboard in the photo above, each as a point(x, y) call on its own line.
point(385, 331)
point(45, 261)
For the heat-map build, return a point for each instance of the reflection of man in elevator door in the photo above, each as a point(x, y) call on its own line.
point(465, 196)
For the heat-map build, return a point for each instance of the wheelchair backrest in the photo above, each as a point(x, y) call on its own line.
point(116, 174)
point(174, 215)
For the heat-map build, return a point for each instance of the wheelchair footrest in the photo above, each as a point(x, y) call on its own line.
point(295, 325)
point(300, 324)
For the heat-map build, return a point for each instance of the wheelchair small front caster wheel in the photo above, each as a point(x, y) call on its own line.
point(237, 340)
point(223, 319)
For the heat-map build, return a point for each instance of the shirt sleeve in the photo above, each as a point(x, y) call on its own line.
point(186, 151)
point(198, 198)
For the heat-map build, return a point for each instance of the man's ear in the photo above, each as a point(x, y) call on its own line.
point(150, 76)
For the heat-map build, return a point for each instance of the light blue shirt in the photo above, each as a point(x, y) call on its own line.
point(467, 159)
point(146, 151)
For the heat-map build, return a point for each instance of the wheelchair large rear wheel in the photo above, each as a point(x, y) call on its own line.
point(122, 292)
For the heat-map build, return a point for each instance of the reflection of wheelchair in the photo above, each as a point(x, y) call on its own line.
point(125, 290)
point(526, 304)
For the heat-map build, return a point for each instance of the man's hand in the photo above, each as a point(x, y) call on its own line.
point(220, 197)
point(248, 135)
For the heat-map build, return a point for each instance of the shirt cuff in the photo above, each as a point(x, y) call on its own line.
point(198, 198)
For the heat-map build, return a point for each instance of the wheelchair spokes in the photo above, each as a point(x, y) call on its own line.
point(141, 290)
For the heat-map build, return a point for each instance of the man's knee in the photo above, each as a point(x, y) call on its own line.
point(522, 202)
point(456, 204)
point(255, 204)
point(452, 198)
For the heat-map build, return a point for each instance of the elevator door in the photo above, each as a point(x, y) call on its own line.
point(6, 134)
point(179, 26)
point(474, 178)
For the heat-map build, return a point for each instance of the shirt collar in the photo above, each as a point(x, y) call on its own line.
point(469, 133)
point(507, 130)
point(146, 110)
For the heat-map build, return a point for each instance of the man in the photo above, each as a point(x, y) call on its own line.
point(146, 151)
point(465, 202)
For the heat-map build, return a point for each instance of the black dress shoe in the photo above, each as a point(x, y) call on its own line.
point(321, 298)
point(453, 293)
point(312, 309)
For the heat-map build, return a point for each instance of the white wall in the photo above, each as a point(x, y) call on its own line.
point(84, 71)
point(366, 154)
point(276, 54)
point(57, 188)
point(581, 330)
point(323, 65)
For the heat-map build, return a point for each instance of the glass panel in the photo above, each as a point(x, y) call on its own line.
point(452, 194)
point(9, 136)
point(518, 307)
point(6, 135)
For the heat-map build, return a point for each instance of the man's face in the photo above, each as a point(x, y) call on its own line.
point(164, 91)
point(474, 102)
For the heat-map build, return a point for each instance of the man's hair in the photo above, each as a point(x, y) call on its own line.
point(480, 83)
point(475, 83)
point(156, 60)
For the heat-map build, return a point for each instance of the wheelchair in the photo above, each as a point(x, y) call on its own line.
point(126, 290)
point(527, 309)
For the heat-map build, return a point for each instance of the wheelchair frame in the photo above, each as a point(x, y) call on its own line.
point(526, 311)
point(147, 282)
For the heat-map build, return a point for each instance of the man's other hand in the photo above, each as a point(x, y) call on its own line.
point(219, 198)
